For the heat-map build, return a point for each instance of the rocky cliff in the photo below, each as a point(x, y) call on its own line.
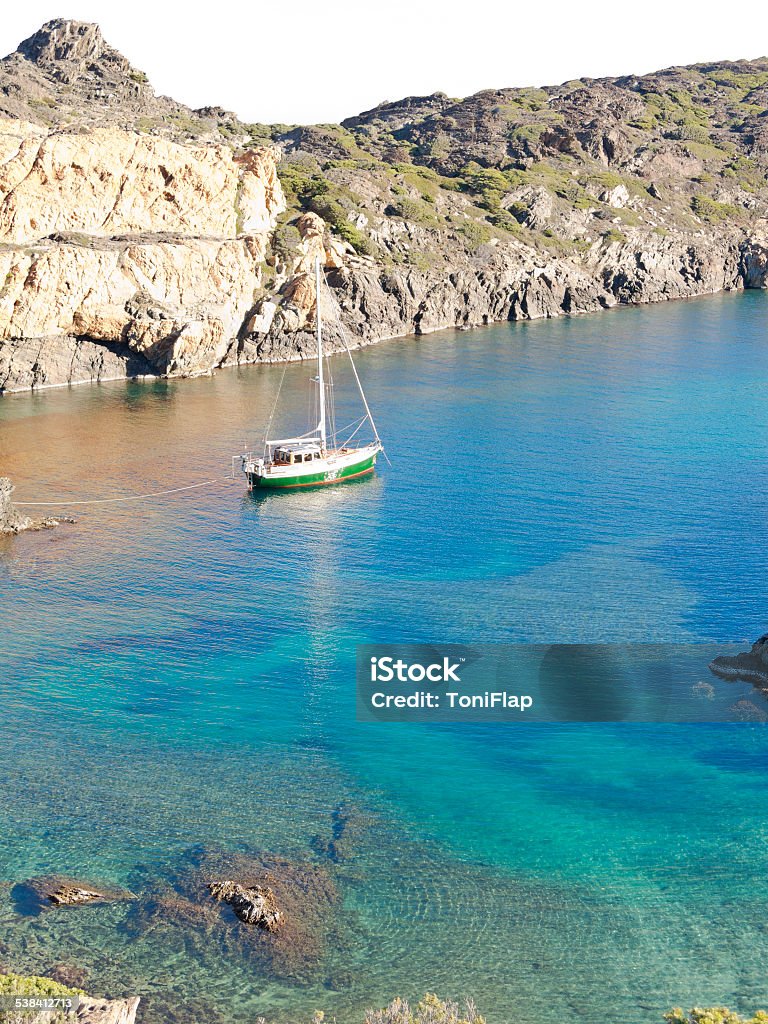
point(126, 254)
point(140, 237)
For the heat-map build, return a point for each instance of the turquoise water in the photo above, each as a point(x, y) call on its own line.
point(181, 672)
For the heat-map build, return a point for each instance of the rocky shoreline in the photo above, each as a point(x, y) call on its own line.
point(376, 304)
point(140, 238)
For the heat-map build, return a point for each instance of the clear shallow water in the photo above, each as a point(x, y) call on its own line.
point(181, 672)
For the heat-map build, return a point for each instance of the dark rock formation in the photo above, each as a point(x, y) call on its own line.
point(47, 891)
point(254, 905)
point(37, 362)
point(349, 824)
point(749, 666)
point(289, 904)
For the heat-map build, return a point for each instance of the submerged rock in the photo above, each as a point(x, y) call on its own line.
point(746, 711)
point(48, 891)
point(69, 974)
point(749, 666)
point(349, 826)
point(205, 903)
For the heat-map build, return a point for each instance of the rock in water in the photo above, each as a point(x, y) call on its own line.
point(48, 891)
point(750, 666)
point(70, 895)
point(259, 910)
point(11, 521)
point(255, 905)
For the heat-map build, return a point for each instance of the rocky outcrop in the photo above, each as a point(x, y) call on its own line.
point(66, 73)
point(89, 1011)
point(73, 895)
point(278, 914)
point(11, 520)
point(107, 1011)
point(254, 905)
point(126, 255)
point(85, 1009)
point(48, 891)
point(514, 283)
point(749, 666)
point(107, 182)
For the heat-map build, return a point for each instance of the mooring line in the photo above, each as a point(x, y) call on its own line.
point(130, 497)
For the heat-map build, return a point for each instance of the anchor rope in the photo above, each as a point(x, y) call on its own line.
point(130, 497)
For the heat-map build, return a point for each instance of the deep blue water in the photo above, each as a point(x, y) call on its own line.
point(181, 671)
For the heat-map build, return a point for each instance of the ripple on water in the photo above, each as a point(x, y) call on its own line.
point(180, 673)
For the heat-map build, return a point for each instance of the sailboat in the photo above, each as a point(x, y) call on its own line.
point(317, 458)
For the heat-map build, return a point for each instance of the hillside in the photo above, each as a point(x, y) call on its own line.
point(427, 213)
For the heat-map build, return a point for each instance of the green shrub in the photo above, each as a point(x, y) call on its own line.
point(713, 1015)
point(410, 209)
point(301, 181)
point(475, 233)
point(526, 133)
point(711, 211)
point(20, 985)
point(286, 239)
point(360, 243)
point(487, 182)
point(28, 987)
point(690, 131)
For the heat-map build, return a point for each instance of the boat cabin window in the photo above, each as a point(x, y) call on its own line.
point(286, 457)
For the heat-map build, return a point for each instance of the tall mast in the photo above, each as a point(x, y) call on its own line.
point(320, 382)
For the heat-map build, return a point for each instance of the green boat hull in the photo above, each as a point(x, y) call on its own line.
point(322, 479)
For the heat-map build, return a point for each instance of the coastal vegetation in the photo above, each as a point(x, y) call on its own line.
point(33, 987)
point(428, 212)
point(430, 1010)
point(713, 1015)
point(21, 985)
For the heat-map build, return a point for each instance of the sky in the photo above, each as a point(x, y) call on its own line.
point(292, 61)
